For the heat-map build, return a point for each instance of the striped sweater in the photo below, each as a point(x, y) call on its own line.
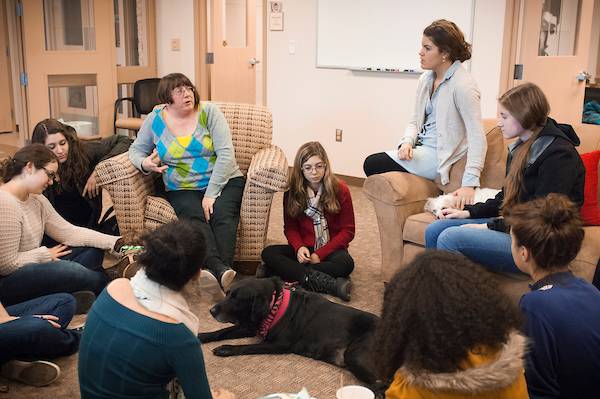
point(22, 227)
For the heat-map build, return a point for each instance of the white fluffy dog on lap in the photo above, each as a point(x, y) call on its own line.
point(435, 205)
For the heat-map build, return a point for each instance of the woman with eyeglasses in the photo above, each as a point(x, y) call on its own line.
point(318, 224)
point(190, 144)
point(28, 269)
point(76, 197)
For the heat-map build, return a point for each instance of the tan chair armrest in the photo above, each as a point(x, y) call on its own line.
point(397, 188)
point(115, 169)
point(269, 169)
point(128, 189)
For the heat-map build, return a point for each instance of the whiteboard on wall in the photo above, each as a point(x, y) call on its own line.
point(359, 34)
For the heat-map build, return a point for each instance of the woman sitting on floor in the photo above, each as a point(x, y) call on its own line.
point(318, 223)
point(36, 329)
point(27, 269)
point(76, 197)
point(562, 312)
point(141, 334)
point(447, 332)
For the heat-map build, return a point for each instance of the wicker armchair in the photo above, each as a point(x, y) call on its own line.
point(264, 165)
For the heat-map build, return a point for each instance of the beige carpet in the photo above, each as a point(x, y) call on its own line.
point(250, 377)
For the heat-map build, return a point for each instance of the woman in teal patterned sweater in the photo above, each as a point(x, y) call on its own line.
point(189, 143)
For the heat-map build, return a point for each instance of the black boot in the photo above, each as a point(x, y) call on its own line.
point(322, 282)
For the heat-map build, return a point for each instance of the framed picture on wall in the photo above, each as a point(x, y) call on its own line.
point(77, 97)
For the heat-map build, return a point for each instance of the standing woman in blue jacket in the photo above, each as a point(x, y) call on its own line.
point(541, 161)
point(446, 123)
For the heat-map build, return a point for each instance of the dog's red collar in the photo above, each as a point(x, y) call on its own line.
point(278, 307)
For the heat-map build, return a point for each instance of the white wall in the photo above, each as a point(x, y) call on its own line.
point(175, 20)
point(371, 108)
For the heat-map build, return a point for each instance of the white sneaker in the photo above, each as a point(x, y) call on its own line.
point(226, 279)
point(38, 373)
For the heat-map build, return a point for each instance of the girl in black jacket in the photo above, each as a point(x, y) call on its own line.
point(76, 196)
point(541, 161)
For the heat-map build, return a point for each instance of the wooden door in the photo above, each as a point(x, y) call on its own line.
point(7, 121)
point(553, 56)
point(69, 51)
point(233, 75)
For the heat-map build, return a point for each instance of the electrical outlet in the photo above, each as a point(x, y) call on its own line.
point(338, 134)
point(175, 44)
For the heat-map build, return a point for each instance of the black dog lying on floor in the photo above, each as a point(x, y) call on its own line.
point(292, 320)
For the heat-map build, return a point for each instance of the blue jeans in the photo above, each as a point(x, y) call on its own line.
point(489, 248)
point(81, 270)
point(30, 337)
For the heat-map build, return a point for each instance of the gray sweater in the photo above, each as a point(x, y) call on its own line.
point(458, 124)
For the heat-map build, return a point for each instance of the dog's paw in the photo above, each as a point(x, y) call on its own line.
point(225, 350)
point(206, 337)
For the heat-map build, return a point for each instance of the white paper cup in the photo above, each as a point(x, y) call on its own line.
point(354, 392)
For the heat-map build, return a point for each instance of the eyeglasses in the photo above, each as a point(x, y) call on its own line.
point(182, 90)
point(51, 174)
point(318, 167)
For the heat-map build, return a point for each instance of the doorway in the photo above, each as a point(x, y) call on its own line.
point(231, 49)
point(556, 45)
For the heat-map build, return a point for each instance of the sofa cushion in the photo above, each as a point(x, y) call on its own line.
point(590, 213)
point(414, 228)
point(494, 167)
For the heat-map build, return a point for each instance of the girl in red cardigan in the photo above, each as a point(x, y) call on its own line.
point(318, 224)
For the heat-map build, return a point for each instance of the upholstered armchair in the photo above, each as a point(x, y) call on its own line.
point(264, 165)
point(399, 198)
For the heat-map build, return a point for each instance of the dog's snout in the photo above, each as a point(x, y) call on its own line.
point(214, 311)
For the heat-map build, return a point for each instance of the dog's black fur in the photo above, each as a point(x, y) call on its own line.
point(312, 326)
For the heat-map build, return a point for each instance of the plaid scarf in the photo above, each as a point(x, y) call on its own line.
point(315, 212)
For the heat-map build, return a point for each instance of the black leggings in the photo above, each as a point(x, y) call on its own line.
point(220, 233)
point(282, 261)
point(380, 163)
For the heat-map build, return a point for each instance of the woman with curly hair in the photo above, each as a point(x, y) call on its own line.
point(141, 334)
point(318, 223)
point(562, 312)
point(446, 331)
point(76, 196)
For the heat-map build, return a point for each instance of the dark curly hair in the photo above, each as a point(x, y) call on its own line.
point(173, 253)
point(75, 171)
point(550, 228)
point(436, 310)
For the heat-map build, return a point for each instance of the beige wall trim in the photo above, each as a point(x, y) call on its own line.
point(41, 63)
point(129, 74)
point(509, 44)
point(200, 49)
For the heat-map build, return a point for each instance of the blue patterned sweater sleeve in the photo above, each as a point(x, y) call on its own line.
point(226, 166)
point(144, 142)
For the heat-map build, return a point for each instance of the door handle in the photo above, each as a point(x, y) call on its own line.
point(253, 61)
point(583, 76)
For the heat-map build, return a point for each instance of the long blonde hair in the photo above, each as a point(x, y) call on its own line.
point(528, 105)
point(298, 185)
